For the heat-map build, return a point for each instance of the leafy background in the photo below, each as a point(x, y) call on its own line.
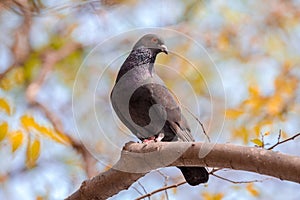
point(44, 44)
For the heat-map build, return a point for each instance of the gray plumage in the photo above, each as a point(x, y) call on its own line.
point(146, 106)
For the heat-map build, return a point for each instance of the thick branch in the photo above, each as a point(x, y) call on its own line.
point(105, 185)
point(137, 159)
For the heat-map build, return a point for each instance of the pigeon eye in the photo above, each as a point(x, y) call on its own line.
point(154, 40)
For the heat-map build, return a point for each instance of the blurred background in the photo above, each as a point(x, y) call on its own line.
point(234, 64)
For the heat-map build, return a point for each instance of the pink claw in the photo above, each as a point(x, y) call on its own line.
point(149, 139)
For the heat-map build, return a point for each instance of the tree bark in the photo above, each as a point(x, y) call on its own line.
point(137, 159)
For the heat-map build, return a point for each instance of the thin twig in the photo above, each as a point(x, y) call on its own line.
point(161, 189)
point(215, 170)
point(283, 141)
point(198, 120)
point(137, 190)
point(21, 45)
point(144, 189)
point(279, 136)
point(165, 182)
point(238, 182)
point(262, 140)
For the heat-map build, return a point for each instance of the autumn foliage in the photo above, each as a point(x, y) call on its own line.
point(234, 64)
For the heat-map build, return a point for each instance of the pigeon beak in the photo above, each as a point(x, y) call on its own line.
point(164, 48)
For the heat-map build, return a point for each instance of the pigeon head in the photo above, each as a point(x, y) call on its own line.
point(153, 42)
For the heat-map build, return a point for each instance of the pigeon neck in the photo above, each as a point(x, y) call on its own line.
point(143, 55)
point(138, 58)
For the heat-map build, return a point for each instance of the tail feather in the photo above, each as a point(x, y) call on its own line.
point(194, 175)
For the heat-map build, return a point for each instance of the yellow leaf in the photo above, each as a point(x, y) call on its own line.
point(266, 122)
point(223, 42)
point(279, 82)
point(258, 142)
point(56, 136)
point(284, 135)
point(33, 153)
point(267, 133)
point(209, 196)
point(19, 75)
point(250, 188)
point(275, 104)
point(236, 187)
point(291, 85)
point(16, 139)
point(241, 133)
point(233, 114)
point(260, 125)
point(5, 105)
point(29, 122)
point(174, 190)
point(39, 198)
point(5, 83)
point(257, 128)
point(3, 130)
point(254, 91)
point(63, 138)
point(255, 102)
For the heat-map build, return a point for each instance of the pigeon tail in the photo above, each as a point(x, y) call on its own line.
point(194, 175)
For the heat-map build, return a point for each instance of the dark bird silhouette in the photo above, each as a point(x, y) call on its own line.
point(147, 107)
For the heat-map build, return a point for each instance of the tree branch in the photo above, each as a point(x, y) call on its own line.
point(51, 58)
point(283, 141)
point(161, 189)
point(138, 159)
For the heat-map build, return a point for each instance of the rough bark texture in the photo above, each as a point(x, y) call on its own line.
point(137, 159)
